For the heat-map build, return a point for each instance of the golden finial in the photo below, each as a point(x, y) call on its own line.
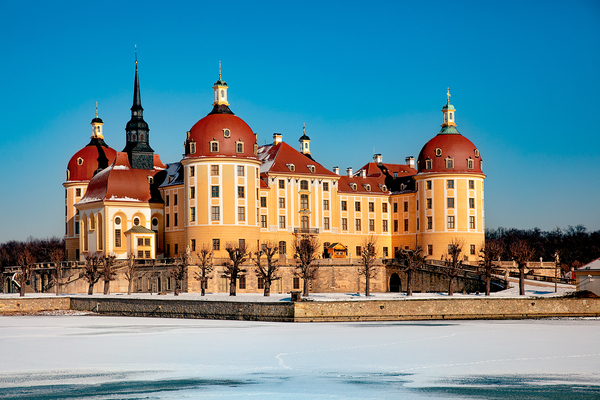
point(219, 69)
point(135, 47)
point(96, 109)
point(448, 94)
point(304, 128)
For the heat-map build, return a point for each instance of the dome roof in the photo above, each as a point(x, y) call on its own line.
point(84, 164)
point(224, 128)
point(449, 146)
point(448, 106)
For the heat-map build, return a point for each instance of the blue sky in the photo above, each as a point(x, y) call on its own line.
point(365, 77)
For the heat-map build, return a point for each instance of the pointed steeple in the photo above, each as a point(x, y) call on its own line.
point(137, 147)
point(220, 105)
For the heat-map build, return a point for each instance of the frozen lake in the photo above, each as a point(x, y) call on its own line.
point(49, 357)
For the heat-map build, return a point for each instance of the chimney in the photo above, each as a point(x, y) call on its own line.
point(410, 161)
point(363, 173)
point(336, 170)
point(377, 159)
point(349, 172)
point(277, 138)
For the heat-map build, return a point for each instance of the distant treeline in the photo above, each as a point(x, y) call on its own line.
point(575, 245)
point(41, 250)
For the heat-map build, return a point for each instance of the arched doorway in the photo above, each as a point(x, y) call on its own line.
point(394, 283)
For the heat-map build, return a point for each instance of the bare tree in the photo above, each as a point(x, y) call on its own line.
point(25, 260)
point(489, 252)
point(521, 252)
point(410, 261)
point(178, 270)
point(57, 255)
point(453, 262)
point(306, 250)
point(107, 271)
point(4, 260)
point(206, 267)
point(91, 270)
point(131, 272)
point(233, 267)
point(267, 273)
point(368, 255)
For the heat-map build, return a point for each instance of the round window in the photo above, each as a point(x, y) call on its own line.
point(136, 221)
point(118, 221)
point(154, 221)
point(438, 152)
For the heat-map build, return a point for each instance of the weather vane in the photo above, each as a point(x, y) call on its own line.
point(219, 69)
point(135, 47)
point(448, 94)
point(96, 109)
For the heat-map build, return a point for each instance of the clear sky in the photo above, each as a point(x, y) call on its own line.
point(365, 77)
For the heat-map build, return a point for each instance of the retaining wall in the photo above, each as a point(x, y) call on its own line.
point(33, 304)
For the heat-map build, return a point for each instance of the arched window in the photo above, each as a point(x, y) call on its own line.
point(214, 146)
point(470, 163)
point(100, 234)
point(192, 147)
point(85, 234)
point(428, 164)
point(92, 222)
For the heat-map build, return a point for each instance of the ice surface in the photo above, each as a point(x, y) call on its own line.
point(122, 357)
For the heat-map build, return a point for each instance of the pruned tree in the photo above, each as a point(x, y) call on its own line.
point(306, 250)
point(108, 271)
point(4, 259)
point(57, 255)
point(453, 262)
point(205, 264)
point(268, 272)
point(521, 252)
point(91, 270)
point(130, 272)
point(368, 255)
point(178, 271)
point(233, 267)
point(25, 260)
point(489, 253)
point(410, 261)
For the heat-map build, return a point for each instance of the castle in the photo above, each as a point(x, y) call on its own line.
point(227, 188)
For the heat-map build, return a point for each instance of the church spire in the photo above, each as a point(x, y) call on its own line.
point(97, 126)
point(449, 119)
point(220, 105)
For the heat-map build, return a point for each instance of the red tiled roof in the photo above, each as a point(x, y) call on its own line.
point(345, 185)
point(276, 158)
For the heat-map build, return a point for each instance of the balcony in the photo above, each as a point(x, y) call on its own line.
point(307, 231)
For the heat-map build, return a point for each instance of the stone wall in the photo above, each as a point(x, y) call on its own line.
point(33, 305)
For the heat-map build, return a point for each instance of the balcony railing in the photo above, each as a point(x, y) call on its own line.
point(307, 231)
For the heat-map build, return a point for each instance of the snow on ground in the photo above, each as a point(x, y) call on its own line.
point(48, 357)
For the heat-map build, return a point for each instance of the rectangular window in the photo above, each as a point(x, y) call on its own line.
point(216, 244)
point(406, 206)
point(429, 222)
point(471, 222)
point(140, 253)
point(192, 170)
point(193, 244)
point(281, 202)
point(214, 170)
point(358, 251)
point(304, 202)
point(357, 224)
point(242, 243)
point(417, 223)
point(450, 184)
point(344, 224)
point(428, 204)
point(405, 225)
point(471, 202)
point(242, 282)
point(78, 192)
point(385, 251)
point(214, 191)
point(450, 201)
point(263, 221)
point(384, 226)
point(192, 192)
point(371, 206)
point(261, 283)
point(168, 220)
point(395, 207)
point(241, 192)
point(282, 247)
point(472, 249)
point(263, 201)
point(428, 185)
point(117, 238)
point(325, 204)
point(241, 213)
point(429, 249)
point(344, 205)
point(175, 200)
point(175, 220)
point(296, 282)
point(168, 198)
point(140, 241)
point(240, 170)
point(215, 213)
point(168, 250)
point(282, 184)
point(471, 184)
point(192, 214)
point(450, 221)
point(176, 249)
point(326, 223)
point(325, 186)
point(357, 206)
point(395, 225)
point(371, 225)
point(384, 207)
point(282, 221)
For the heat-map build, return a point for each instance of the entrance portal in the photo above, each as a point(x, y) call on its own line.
point(394, 283)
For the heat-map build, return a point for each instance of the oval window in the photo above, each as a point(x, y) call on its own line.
point(118, 221)
point(136, 221)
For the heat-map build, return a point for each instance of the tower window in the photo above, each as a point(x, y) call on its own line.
point(192, 170)
point(240, 170)
point(471, 184)
point(226, 133)
point(428, 164)
point(450, 221)
point(450, 116)
point(214, 191)
point(450, 163)
point(214, 170)
point(215, 213)
point(214, 146)
point(450, 184)
point(438, 152)
point(470, 163)
point(239, 147)
point(192, 147)
point(241, 193)
point(476, 153)
point(79, 161)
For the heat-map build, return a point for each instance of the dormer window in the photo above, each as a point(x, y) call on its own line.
point(255, 149)
point(214, 146)
point(353, 186)
point(150, 180)
point(239, 147)
point(476, 153)
point(449, 163)
point(367, 187)
point(438, 152)
point(226, 133)
point(384, 188)
point(470, 163)
point(428, 164)
point(311, 168)
point(192, 147)
point(291, 167)
point(79, 161)
point(481, 164)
